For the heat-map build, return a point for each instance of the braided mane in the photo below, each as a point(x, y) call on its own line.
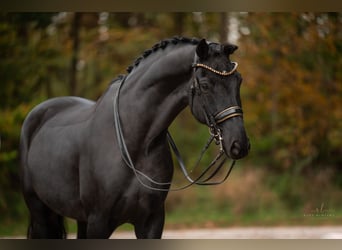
point(162, 45)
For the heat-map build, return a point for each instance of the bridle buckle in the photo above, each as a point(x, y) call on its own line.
point(217, 134)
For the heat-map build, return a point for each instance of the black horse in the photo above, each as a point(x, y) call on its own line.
point(71, 154)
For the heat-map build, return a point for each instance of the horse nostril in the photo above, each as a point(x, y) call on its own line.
point(236, 149)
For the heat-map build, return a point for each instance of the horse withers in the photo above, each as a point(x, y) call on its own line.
point(72, 160)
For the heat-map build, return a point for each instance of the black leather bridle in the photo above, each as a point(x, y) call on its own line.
point(215, 134)
point(213, 120)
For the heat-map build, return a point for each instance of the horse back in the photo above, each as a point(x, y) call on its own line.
point(48, 110)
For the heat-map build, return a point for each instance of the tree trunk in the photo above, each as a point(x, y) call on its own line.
point(75, 48)
point(223, 27)
point(179, 18)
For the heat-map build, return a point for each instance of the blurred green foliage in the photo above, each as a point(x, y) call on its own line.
point(291, 93)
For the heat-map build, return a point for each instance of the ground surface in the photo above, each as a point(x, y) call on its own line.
point(321, 232)
point(248, 233)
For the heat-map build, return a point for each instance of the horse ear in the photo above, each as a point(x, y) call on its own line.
point(202, 49)
point(229, 49)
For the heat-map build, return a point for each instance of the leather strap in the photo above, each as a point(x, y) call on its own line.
point(228, 113)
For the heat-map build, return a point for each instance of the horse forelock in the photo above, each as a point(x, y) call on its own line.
point(162, 45)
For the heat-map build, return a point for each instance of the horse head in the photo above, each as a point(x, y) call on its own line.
point(215, 97)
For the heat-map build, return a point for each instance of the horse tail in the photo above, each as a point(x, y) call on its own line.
point(31, 125)
point(33, 122)
point(27, 130)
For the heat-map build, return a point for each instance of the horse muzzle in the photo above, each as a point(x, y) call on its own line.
point(239, 150)
point(235, 142)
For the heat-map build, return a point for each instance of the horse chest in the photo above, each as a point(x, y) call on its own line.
point(137, 202)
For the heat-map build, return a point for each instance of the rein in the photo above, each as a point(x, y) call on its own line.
point(215, 134)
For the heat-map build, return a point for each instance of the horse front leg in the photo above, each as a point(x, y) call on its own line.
point(98, 227)
point(82, 229)
point(151, 227)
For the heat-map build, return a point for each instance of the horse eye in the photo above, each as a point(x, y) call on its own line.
point(204, 85)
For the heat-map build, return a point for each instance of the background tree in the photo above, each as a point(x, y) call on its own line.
point(295, 79)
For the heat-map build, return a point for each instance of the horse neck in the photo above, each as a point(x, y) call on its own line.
point(155, 93)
